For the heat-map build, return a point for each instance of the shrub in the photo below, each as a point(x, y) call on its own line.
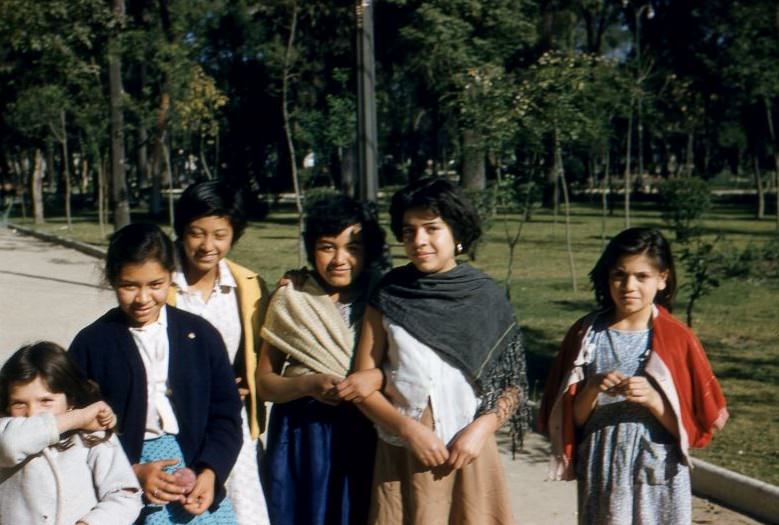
point(684, 201)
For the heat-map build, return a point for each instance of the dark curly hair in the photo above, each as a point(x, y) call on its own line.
point(205, 199)
point(52, 364)
point(635, 241)
point(442, 198)
point(135, 244)
point(331, 214)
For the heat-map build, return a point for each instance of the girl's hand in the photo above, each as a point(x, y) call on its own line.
point(159, 487)
point(243, 392)
point(638, 389)
point(322, 387)
point(428, 448)
point(97, 416)
point(359, 385)
point(202, 496)
point(467, 444)
point(606, 382)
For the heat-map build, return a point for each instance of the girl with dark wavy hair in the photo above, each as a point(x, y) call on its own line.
point(446, 340)
point(320, 450)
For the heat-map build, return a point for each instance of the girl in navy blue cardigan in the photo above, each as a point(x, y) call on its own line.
point(166, 374)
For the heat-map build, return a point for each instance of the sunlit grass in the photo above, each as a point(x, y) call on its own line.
point(738, 322)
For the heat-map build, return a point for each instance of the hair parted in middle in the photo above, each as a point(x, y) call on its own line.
point(210, 198)
point(135, 244)
point(635, 241)
point(442, 198)
point(332, 214)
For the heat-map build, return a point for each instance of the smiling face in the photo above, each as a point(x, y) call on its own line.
point(339, 259)
point(32, 398)
point(141, 290)
point(207, 241)
point(633, 283)
point(428, 241)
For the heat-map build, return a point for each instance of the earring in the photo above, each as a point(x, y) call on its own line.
point(458, 248)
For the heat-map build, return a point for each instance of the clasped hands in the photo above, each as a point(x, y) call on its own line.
point(331, 389)
point(635, 389)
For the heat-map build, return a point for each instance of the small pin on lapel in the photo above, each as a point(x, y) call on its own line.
point(191, 335)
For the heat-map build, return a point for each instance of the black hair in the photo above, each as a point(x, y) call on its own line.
point(442, 198)
point(135, 244)
point(210, 198)
point(635, 241)
point(331, 214)
point(52, 364)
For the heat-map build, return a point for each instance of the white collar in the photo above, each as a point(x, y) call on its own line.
point(162, 320)
point(224, 277)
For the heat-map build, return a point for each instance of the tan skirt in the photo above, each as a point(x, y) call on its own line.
point(408, 493)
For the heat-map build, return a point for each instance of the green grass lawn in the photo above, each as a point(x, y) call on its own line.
point(738, 322)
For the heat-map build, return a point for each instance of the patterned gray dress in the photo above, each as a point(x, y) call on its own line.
point(629, 468)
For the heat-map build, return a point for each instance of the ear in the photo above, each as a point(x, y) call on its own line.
point(663, 280)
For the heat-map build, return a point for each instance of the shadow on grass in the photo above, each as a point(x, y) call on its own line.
point(541, 348)
point(579, 305)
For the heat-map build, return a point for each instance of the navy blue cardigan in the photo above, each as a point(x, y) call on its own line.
point(204, 395)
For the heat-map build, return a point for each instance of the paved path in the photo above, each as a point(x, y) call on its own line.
point(50, 292)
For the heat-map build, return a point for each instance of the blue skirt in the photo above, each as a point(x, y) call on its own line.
point(166, 447)
point(319, 464)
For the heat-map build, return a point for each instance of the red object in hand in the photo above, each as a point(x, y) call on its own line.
point(185, 478)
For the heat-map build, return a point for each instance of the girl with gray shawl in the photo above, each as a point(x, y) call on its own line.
point(454, 367)
point(320, 450)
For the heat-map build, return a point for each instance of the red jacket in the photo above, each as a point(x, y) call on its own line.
point(677, 364)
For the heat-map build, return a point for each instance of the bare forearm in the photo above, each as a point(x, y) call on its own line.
point(583, 405)
point(378, 409)
point(278, 389)
point(665, 415)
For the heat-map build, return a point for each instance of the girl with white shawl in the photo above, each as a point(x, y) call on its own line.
point(320, 450)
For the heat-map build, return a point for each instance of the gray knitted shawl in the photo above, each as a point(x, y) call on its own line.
point(465, 317)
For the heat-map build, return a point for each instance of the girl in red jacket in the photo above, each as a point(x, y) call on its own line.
point(630, 392)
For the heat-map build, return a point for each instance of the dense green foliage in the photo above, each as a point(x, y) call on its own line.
point(592, 90)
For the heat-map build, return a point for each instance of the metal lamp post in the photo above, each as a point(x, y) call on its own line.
point(368, 180)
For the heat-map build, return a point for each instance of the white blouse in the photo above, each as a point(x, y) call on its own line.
point(221, 308)
point(415, 374)
point(154, 347)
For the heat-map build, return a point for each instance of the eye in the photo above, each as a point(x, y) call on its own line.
point(407, 233)
point(17, 404)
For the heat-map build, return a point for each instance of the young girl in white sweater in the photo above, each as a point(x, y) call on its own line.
point(60, 462)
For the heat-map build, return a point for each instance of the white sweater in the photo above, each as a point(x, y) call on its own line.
point(39, 484)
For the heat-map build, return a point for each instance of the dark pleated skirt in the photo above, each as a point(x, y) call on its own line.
point(318, 464)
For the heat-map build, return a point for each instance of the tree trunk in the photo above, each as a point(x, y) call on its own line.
point(473, 170)
point(760, 212)
point(118, 175)
point(347, 171)
point(65, 166)
point(769, 117)
point(567, 206)
point(101, 193)
point(36, 188)
point(293, 163)
point(628, 182)
point(689, 165)
point(604, 195)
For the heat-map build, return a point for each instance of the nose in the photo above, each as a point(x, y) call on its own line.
point(31, 410)
point(143, 295)
point(208, 244)
point(420, 237)
point(629, 282)
point(339, 256)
